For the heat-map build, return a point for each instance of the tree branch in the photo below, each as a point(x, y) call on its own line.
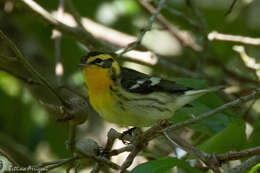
point(249, 62)
point(209, 160)
point(254, 94)
point(77, 32)
point(30, 67)
point(57, 35)
point(25, 79)
point(233, 38)
point(231, 7)
point(155, 13)
point(245, 166)
point(186, 42)
point(234, 155)
point(54, 164)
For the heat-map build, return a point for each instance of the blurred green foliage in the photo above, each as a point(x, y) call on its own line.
point(25, 120)
point(163, 165)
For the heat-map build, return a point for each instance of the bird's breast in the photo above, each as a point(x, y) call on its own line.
point(97, 80)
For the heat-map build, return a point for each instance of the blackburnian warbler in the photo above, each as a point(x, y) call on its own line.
point(127, 97)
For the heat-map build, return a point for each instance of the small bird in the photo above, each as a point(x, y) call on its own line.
point(130, 98)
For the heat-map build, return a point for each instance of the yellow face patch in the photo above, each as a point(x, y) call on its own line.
point(115, 68)
point(98, 82)
point(97, 79)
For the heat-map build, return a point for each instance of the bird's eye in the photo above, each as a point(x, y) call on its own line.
point(97, 61)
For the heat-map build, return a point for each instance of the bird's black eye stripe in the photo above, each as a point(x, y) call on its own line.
point(90, 54)
point(96, 61)
point(103, 63)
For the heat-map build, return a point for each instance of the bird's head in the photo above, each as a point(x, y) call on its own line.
point(98, 66)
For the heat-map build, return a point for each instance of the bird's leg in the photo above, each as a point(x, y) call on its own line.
point(134, 131)
point(165, 123)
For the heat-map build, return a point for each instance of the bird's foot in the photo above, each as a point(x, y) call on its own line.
point(165, 123)
point(129, 134)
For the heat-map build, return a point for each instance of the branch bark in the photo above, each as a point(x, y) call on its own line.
point(77, 32)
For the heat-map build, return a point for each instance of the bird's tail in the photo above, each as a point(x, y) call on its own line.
point(203, 91)
point(191, 95)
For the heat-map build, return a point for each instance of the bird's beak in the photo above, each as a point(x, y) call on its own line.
point(83, 65)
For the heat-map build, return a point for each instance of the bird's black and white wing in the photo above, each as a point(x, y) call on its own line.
point(136, 82)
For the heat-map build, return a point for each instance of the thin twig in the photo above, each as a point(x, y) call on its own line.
point(27, 80)
point(111, 137)
point(77, 93)
point(121, 150)
point(151, 59)
point(246, 111)
point(249, 62)
point(245, 166)
point(89, 149)
point(198, 14)
point(210, 113)
point(141, 140)
point(71, 137)
point(180, 15)
point(155, 13)
point(203, 28)
point(209, 160)
point(56, 35)
point(54, 164)
point(233, 38)
point(38, 9)
point(99, 31)
point(106, 154)
point(129, 160)
point(30, 67)
point(175, 140)
point(9, 58)
point(57, 108)
point(231, 7)
point(107, 162)
point(179, 69)
point(67, 108)
point(234, 155)
point(45, 164)
point(241, 79)
point(96, 168)
point(77, 32)
point(74, 12)
point(186, 42)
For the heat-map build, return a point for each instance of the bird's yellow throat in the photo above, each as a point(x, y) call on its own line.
point(97, 80)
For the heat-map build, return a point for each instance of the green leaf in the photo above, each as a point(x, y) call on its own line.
point(162, 165)
point(130, 7)
point(194, 83)
point(233, 137)
point(254, 139)
point(205, 103)
point(201, 105)
point(255, 168)
point(208, 126)
point(9, 84)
